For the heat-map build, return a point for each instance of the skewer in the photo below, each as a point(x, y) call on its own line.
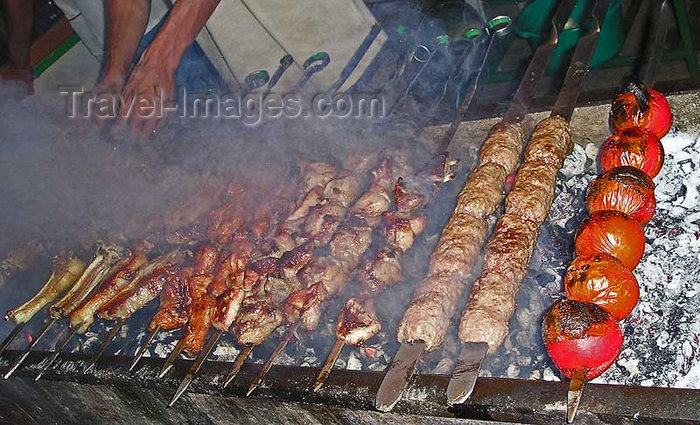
point(29, 349)
point(268, 364)
point(328, 364)
point(240, 360)
point(142, 349)
point(472, 354)
point(402, 369)
point(574, 394)
point(315, 63)
point(196, 366)
point(170, 361)
point(11, 337)
point(112, 333)
point(56, 353)
point(285, 62)
point(497, 27)
point(646, 72)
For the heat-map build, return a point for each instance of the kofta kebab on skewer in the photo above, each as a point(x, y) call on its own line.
point(581, 333)
point(507, 255)
point(427, 318)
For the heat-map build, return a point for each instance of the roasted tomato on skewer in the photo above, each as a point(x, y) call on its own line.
point(611, 232)
point(581, 337)
point(635, 147)
point(601, 279)
point(639, 106)
point(625, 189)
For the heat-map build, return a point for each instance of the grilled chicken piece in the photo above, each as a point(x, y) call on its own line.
point(326, 271)
point(322, 222)
point(127, 302)
point(66, 271)
point(342, 191)
point(82, 318)
point(227, 307)
point(350, 243)
point(257, 272)
point(292, 261)
point(382, 271)
point(316, 174)
point(200, 315)
point(400, 231)
point(357, 322)
point(371, 205)
point(205, 260)
point(301, 301)
point(172, 311)
point(98, 269)
point(233, 264)
point(257, 319)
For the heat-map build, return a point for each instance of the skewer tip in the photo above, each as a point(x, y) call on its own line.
point(574, 395)
point(182, 388)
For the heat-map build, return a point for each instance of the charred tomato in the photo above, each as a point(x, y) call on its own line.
point(639, 106)
point(601, 279)
point(625, 189)
point(581, 336)
point(611, 232)
point(635, 147)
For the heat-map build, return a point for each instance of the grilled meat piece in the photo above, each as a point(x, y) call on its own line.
point(257, 319)
point(200, 313)
point(65, 272)
point(400, 230)
point(82, 318)
point(172, 311)
point(127, 302)
point(382, 271)
point(316, 174)
point(357, 322)
point(227, 307)
point(98, 269)
point(205, 260)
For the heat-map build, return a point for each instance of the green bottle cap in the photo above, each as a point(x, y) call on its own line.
point(473, 33)
point(442, 39)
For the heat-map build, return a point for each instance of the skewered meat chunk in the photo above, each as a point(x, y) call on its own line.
point(435, 301)
point(227, 307)
point(326, 271)
point(349, 243)
point(231, 268)
point(82, 318)
point(98, 269)
point(357, 322)
point(316, 174)
point(66, 271)
point(172, 311)
point(205, 260)
point(200, 314)
point(257, 319)
point(342, 191)
point(322, 222)
point(371, 204)
point(129, 301)
point(382, 271)
point(400, 231)
point(508, 253)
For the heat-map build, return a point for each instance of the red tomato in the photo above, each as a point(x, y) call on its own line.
point(635, 147)
point(625, 189)
point(581, 336)
point(638, 106)
point(601, 279)
point(611, 232)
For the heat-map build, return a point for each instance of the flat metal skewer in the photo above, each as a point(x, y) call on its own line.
point(268, 364)
point(187, 380)
point(142, 349)
point(170, 361)
point(11, 337)
point(112, 333)
point(328, 364)
point(398, 375)
point(51, 360)
point(240, 360)
point(29, 349)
